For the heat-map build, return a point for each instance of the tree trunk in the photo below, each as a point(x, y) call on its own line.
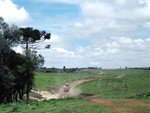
point(27, 92)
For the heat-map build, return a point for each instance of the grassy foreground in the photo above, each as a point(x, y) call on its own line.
point(55, 106)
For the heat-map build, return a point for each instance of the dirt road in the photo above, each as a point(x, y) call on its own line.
point(57, 92)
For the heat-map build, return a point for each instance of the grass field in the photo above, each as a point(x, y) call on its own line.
point(135, 84)
point(56, 79)
point(55, 106)
point(132, 108)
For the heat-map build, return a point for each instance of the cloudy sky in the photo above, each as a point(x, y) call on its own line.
point(87, 33)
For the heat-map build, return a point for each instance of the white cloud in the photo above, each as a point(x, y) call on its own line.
point(108, 54)
point(123, 40)
point(111, 18)
point(18, 49)
point(58, 41)
point(110, 26)
point(12, 14)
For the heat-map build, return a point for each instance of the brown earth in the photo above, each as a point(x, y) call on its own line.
point(139, 103)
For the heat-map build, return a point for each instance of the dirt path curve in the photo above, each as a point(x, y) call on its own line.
point(73, 85)
point(46, 95)
point(59, 93)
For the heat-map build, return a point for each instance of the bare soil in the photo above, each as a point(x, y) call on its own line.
point(139, 103)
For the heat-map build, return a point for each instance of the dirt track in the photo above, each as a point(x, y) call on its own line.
point(78, 82)
point(57, 92)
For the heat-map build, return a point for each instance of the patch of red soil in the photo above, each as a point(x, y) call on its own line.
point(139, 103)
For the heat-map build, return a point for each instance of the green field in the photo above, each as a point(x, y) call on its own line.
point(56, 79)
point(55, 106)
point(135, 84)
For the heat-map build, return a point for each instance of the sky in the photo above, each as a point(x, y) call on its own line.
point(89, 33)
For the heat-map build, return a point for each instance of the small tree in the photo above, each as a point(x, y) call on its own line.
point(64, 69)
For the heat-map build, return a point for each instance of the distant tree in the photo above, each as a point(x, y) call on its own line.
point(64, 69)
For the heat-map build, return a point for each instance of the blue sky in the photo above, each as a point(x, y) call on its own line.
point(102, 33)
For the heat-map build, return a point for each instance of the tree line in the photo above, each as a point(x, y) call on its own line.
point(17, 70)
point(63, 70)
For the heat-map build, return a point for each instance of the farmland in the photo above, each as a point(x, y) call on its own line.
point(120, 90)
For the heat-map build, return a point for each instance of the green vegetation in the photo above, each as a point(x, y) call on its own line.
point(16, 70)
point(56, 79)
point(35, 95)
point(134, 84)
point(55, 106)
